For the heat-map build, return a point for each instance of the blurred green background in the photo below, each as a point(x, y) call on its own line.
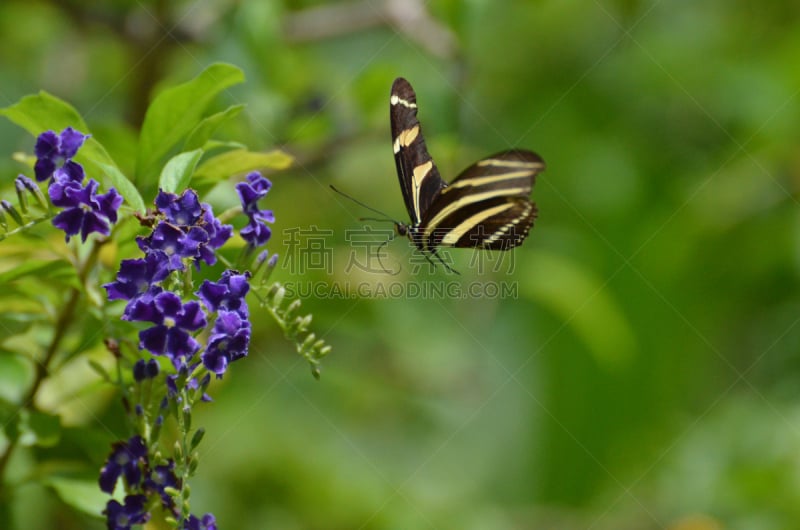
point(644, 376)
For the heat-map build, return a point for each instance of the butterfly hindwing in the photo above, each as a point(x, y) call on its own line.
point(419, 179)
point(486, 205)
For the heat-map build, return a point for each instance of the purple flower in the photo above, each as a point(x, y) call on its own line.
point(119, 517)
point(52, 148)
point(181, 210)
point(85, 212)
point(228, 293)
point(251, 191)
point(161, 477)
point(170, 240)
point(189, 230)
point(174, 320)
point(218, 234)
point(228, 342)
point(187, 211)
point(125, 459)
point(256, 232)
point(207, 522)
point(135, 276)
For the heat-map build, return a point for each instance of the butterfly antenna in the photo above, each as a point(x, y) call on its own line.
point(378, 219)
point(370, 208)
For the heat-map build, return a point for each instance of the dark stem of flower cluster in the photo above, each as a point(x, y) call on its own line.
point(184, 463)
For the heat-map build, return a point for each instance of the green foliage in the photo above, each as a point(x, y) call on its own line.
point(79, 494)
point(579, 299)
point(178, 171)
point(207, 126)
point(296, 326)
point(177, 112)
point(238, 161)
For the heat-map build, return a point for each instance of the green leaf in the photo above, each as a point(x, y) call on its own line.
point(582, 301)
point(178, 171)
point(125, 187)
point(202, 133)
point(240, 161)
point(83, 495)
point(177, 111)
point(16, 376)
point(41, 112)
point(14, 324)
point(39, 428)
point(41, 268)
point(100, 370)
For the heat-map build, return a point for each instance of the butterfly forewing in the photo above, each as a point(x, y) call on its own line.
point(419, 179)
point(486, 206)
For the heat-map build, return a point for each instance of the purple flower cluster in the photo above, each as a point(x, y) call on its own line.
point(230, 337)
point(142, 480)
point(185, 233)
point(85, 211)
point(189, 231)
point(256, 233)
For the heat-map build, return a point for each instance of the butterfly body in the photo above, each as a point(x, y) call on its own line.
point(485, 206)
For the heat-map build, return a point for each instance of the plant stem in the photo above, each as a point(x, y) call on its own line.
point(63, 322)
point(64, 319)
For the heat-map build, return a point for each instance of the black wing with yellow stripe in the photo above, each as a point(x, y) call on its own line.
point(419, 178)
point(486, 206)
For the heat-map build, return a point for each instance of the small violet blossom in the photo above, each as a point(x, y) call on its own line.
point(85, 211)
point(160, 478)
point(125, 517)
point(173, 321)
point(52, 148)
point(137, 276)
point(228, 293)
point(125, 460)
point(230, 337)
point(207, 522)
point(228, 342)
point(256, 232)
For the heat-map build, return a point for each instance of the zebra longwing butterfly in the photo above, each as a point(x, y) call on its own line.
point(485, 206)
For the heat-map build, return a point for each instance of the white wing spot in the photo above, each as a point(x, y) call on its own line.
point(395, 99)
point(500, 232)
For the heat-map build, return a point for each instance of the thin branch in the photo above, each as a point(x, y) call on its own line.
point(409, 17)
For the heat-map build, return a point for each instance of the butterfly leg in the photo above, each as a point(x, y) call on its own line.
point(378, 255)
point(435, 254)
